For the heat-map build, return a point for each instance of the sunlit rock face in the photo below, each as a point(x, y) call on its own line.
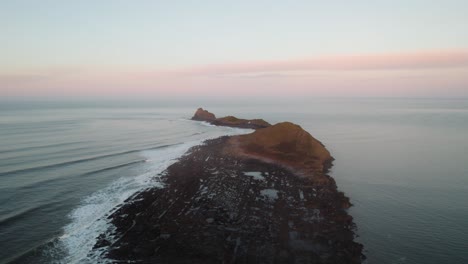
point(285, 144)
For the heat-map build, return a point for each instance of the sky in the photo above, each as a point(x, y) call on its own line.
point(233, 48)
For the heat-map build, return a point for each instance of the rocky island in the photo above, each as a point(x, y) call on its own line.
point(263, 197)
point(230, 121)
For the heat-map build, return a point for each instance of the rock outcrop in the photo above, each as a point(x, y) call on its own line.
point(264, 197)
point(203, 115)
point(230, 121)
point(286, 144)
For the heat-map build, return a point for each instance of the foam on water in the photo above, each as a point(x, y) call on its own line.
point(207, 124)
point(89, 220)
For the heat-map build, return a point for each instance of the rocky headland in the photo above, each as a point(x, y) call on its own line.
point(263, 197)
point(231, 121)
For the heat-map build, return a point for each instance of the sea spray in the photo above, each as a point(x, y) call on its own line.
point(91, 218)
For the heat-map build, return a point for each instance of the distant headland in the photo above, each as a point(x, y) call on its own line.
point(231, 121)
point(263, 197)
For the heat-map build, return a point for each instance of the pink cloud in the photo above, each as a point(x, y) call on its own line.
point(408, 61)
point(436, 73)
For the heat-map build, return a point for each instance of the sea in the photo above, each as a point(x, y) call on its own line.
point(65, 165)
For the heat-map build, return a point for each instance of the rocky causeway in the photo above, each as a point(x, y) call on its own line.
point(231, 121)
point(263, 197)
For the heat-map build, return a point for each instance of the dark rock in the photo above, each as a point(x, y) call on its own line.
point(264, 197)
point(232, 121)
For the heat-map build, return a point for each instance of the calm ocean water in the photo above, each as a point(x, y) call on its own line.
point(64, 166)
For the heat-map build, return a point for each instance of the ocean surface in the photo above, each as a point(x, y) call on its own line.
point(64, 166)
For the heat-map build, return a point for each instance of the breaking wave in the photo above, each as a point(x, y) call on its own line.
point(90, 219)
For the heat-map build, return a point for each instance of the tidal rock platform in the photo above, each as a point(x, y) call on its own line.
point(264, 197)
